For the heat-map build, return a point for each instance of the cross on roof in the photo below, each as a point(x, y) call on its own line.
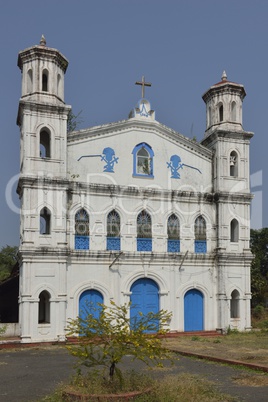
point(143, 84)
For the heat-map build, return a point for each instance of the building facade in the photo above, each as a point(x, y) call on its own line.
point(130, 211)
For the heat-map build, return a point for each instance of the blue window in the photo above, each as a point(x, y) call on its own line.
point(113, 231)
point(173, 231)
point(144, 231)
point(82, 230)
point(143, 160)
point(200, 235)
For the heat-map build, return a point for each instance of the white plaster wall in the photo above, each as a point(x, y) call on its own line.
point(90, 169)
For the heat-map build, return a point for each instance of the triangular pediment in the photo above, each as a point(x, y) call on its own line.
point(126, 127)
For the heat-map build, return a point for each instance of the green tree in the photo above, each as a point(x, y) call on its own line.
point(7, 261)
point(259, 266)
point(105, 340)
point(73, 121)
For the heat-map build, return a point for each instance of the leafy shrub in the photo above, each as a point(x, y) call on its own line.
point(258, 311)
point(105, 340)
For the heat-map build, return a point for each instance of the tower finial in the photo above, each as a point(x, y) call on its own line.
point(43, 41)
point(224, 76)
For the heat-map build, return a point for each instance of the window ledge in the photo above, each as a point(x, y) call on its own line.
point(144, 176)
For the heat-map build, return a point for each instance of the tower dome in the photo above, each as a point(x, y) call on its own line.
point(43, 70)
point(224, 105)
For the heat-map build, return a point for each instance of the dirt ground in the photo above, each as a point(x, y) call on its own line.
point(249, 347)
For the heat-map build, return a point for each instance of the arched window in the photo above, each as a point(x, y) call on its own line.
point(45, 221)
point(82, 230)
point(200, 235)
point(233, 164)
point(29, 81)
point(233, 111)
point(173, 232)
point(45, 80)
point(44, 308)
point(113, 231)
point(235, 304)
point(234, 231)
point(45, 144)
point(221, 112)
point(209, 116)
point(143, 160)
point(144, 231)
point(59, 86)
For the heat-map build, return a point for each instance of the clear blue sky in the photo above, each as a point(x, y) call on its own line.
point(181, 46)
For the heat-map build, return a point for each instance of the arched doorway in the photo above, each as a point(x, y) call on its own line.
point(89, 303)
point(144, 298)
point(193, 311)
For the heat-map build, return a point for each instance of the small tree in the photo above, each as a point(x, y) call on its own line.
point(73, 121)
point(105, 340)
point(7, 261)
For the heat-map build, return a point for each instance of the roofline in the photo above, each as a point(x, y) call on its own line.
point(122, 125)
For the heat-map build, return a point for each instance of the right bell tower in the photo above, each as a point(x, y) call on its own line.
point(229, 143)
point(226, 137)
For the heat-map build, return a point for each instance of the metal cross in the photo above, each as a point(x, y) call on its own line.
point(143, 84)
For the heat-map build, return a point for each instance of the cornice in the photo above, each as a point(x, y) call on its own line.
point(43, 107)
point(225, 197)
point(226, 134)
point(224, 87)
point(42, 52)
point(36, 182)
point(107, 257)
point(71, 256)
point(225, 258)
point(74, 187)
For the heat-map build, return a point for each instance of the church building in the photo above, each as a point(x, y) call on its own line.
point(131, 210)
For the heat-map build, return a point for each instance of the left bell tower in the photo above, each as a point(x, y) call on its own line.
point(42, 115)
point(42, 118)
point(42, 188)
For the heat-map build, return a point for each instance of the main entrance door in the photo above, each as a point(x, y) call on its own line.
point(193, 311)
point(88, 303)
point(144, 298)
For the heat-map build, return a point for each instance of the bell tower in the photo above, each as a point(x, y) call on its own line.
point(226, 136)
point(229, 142)
point(42, 115)
point(42, 118)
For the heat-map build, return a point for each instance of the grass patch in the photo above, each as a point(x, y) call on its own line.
point(242, 346)
point(195, 338)
point(257, 380)
point(94, 383)
point(184, 387)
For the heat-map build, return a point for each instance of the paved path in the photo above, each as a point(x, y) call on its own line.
point(30, 374)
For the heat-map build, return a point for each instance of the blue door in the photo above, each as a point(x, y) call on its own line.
point(144, 298)
point(88, 303)
point(193, 311)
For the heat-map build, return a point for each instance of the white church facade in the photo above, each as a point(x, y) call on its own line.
point(130, 211)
